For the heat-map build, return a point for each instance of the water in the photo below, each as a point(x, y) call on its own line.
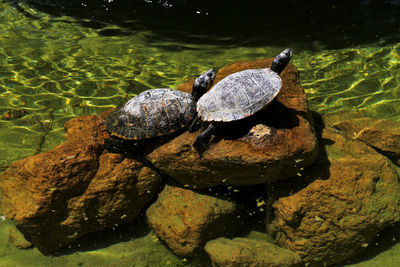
point(55, 66)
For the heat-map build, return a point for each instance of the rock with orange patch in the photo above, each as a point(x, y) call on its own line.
point(240, 252)
point(271, 145)
point(186, 220)
point(356, 193)
point(77, 188)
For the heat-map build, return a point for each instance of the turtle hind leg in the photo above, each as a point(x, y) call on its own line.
point(201, 142)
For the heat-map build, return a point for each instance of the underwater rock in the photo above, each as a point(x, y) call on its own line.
point(382, 135)
point(186, 220)
point(354, 195)
point(240, 252)
point(16, 238)
point(78, 187)
point(272, 145)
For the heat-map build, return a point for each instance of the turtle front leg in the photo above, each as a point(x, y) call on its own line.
point(194, 125)
point(201, 142)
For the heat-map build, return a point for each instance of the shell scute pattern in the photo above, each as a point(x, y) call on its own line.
point(152, 113)
point(239, 95)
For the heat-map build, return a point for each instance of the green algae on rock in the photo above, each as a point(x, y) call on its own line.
point(186, 220)
point(240, 252)
point(382, 135)
point(356, 194)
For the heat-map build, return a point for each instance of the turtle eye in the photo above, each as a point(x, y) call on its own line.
point(211, 74)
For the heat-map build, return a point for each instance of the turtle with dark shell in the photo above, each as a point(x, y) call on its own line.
point(157, 112)
point(238, 96)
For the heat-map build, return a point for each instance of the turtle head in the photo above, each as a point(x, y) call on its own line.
point(281, 61)
point(202, 83)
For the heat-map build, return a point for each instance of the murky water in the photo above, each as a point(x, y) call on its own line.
point(53, 68)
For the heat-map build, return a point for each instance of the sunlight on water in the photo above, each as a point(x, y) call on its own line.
point(364, 78)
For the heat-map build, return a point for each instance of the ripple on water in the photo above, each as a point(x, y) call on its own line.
point(356, 78)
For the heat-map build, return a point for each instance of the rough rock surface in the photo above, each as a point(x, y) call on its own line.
point(383, 135)
point(245, 252)
point(260, 149)
point(186, 220)
point(76, 188)
point(355, 195)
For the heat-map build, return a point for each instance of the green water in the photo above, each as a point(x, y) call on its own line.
point(54, 69)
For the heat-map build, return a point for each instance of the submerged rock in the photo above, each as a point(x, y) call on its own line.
point(382, 135)
point(16, 238)
point(244, 252)
point(78, 187)
point(186, 220)
point(263, 148)
point(355, 195)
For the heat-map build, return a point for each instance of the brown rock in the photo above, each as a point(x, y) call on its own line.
point(76, 188)
point(261, 149)
point(356, 195)
point(245, 252)
point(383, 135)
point(186, 220)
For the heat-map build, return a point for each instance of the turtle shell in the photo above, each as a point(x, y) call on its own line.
point(239, 95)
point(152, 113)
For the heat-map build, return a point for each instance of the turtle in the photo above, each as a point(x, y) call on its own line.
point(237, 96)
point(157, 112)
